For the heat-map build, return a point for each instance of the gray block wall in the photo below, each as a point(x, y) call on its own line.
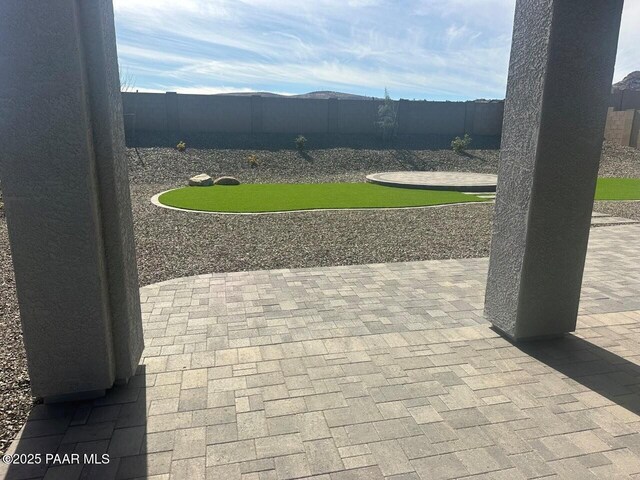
point(155, 112)
point(357, 116)
point(625, 100)
point(486, 118)
point(289, 115)
point(439, 118)
point(212, 113)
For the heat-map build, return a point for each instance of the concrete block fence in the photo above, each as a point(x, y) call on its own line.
point(193, 114)
point(625, 100)
point(171, 115)
point(623, 127)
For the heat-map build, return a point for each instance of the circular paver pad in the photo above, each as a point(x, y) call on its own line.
point(460, 181)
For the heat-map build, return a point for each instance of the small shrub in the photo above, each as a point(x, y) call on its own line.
point(252, 160)
point(387, 118)
point(301, 142)
point(459, 145)
point(181, 146)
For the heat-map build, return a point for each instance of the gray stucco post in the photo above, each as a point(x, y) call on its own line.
point(560, 74)
point(66, 190)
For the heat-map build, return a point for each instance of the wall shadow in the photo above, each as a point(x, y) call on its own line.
point(274, 142)
point(307, 156)
point(600, 370)
point(101, 438)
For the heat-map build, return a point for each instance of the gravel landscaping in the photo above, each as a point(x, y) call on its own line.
point(629, 210)
point(15, 397)
point(165, 166)
point(172, 244)
point(215, 243)
point(619, 161)
point(201, 243)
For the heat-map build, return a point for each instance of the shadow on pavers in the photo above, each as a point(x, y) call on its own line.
point(594, 367)
point(101, 438)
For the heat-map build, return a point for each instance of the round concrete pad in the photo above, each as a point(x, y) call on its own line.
point(460, 181)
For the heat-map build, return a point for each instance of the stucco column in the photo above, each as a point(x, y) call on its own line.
point(560, 74)
point(66, 190)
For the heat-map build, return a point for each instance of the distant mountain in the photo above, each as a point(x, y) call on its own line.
point(329, 94)
point(321, 95)
point(250, 94)
point(630, 82)
point(325, 94)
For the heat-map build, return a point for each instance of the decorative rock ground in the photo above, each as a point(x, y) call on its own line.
point(226, 181)
point(202, 180)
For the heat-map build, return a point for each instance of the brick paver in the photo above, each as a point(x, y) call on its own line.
point(464, 181)
point(381, 371)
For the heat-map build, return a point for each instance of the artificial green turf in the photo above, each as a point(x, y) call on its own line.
point(279, 197)
point(300, 196)
point(618, 189)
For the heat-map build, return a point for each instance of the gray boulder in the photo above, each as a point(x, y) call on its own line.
point(226, 181)
point(202, 180)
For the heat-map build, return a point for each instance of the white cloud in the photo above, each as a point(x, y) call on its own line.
point(628, 59)
point(171, 8)
point(419, 48)
point(206, 90)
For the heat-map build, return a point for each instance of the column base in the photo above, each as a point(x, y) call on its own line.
point(75, 397)
point(536, 338)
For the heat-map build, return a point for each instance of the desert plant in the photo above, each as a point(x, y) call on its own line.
point(387, 117)
point(252, 160)
point(181, 146)
point(459, 145)
point(127, 80)
point(301, 142)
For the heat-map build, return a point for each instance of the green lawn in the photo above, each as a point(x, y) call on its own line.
point(299, 196)
point(278, 197)
point(618, 189)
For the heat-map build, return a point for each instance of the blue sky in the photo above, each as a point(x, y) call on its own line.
point(423, 49)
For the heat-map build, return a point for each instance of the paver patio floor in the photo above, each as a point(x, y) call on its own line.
point(364, 372)
point(463, 181)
